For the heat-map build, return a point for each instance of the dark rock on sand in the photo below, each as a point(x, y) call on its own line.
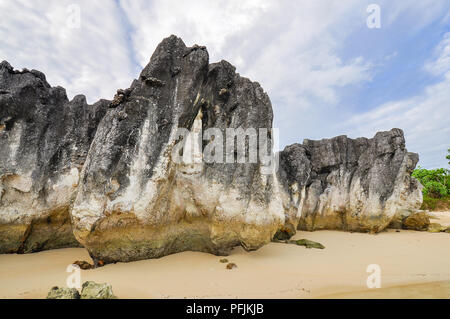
point(307, 243)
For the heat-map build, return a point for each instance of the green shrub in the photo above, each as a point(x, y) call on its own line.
point(436, 182)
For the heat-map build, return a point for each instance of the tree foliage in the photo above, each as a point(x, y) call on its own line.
point(436, 182)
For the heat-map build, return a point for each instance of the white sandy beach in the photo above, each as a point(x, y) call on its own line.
point(413, 265)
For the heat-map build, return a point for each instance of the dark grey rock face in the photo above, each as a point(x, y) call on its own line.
point(136, 202)
point(44, 140)
point(351, 184)
point(109, 175)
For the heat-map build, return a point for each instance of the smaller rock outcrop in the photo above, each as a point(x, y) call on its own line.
point(348, 184)
point(417, 221)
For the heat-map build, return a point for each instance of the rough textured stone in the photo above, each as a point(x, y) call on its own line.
point(307, 243)
point(92, 290)
point(350, 184)
point(83, 264)
point(107, 172)
point(417, 221)
point(285, 232)
point(63, 293)
point(231, 266)
point(44, 140)
point(436, 228)
point(134, 202)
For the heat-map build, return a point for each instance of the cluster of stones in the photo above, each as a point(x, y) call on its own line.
point(89, 290)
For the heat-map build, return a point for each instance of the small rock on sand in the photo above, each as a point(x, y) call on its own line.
point(307, 243)
point(231, 266)
point(83, 264)
point(436, 228)
point(92, 290)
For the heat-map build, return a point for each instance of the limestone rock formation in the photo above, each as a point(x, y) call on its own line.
point(44, 140)
point(134, 201)
point(350, 184)
point(114, 167)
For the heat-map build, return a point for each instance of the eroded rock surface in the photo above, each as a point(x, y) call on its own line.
point(135, 202)
point(350, 184)
point(92, 290)
point(417, 221)
point(44, 140)
point(63, 293)
point(112, 167)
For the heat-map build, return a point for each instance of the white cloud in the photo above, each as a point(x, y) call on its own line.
point(272, 42)
point(423, 117)
point(441, 64)
point(91, 60)
point(420, 13)
point(203, 22)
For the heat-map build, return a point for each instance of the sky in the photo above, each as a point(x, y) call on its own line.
point(328, 67)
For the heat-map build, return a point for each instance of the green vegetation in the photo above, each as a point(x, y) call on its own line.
point(436, 183)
